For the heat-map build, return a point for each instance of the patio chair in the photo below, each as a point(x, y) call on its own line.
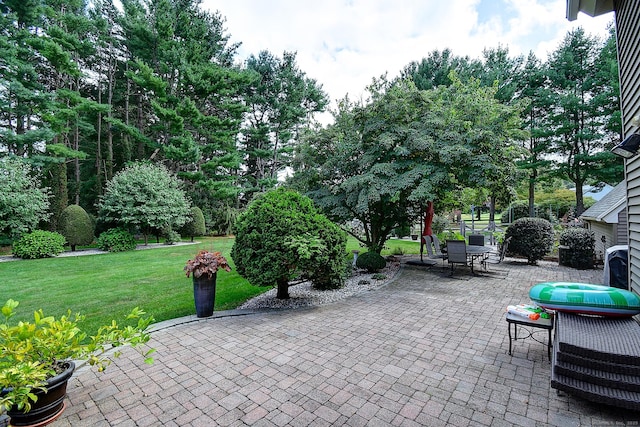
point(476, 240)
point(437, 253)
point(456, 253)
point(498, 256)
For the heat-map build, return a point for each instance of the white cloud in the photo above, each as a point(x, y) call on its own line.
point(343, 44)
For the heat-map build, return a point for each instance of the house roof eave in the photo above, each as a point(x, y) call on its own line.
point(590, 7)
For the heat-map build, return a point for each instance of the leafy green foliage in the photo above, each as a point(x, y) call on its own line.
point(171, 236)
point(39, 244)
point(280, 236)
point(195, 226)
point(516, 210)
point(29, 351)
point(371, 261)
point(76, 226)
point(116, 240)
point(23, 204)
point(531, 238)
point(404, 148)
point(581, 245)
point(439, 224)
point(146, 196)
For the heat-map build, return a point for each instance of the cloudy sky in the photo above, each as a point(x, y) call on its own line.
point(343, 44)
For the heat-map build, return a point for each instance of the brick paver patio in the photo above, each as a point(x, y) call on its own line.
point(424, 350)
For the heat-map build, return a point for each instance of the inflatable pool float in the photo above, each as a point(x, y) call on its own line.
point(585, 298)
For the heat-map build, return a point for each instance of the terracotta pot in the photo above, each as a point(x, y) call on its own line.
point(49, 405)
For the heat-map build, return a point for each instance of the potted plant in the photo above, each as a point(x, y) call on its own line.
point(204, 267)
point(37, 359)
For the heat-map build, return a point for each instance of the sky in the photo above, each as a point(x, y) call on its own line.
point(344, 44)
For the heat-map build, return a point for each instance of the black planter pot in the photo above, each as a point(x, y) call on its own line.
point(49, 405)
point(204, 294)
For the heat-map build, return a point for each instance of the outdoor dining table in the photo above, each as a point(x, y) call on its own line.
point(476, 252)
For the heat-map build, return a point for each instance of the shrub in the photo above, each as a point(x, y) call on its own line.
point(280, 236)
point(39, 244)
point(581, 247)
point(76, 226)
point(171, 236)
point(116, 240)
point(195, 226)
point(439, 224)
point(371, 261)
point(402, 230)
point(531, 238)
point(145, 196)
point(515, 211)
point(398, 250)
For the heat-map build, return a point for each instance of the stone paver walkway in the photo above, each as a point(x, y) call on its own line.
point(424, 350)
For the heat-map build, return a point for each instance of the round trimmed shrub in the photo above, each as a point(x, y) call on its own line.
point(531, 238)
point(39, 244)
point(371, 261)
point(581, 245)
point(76, 226)
point(116, 240)
point(281, 236)
point(195, 226)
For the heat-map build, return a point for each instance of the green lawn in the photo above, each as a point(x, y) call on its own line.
point(105, 287)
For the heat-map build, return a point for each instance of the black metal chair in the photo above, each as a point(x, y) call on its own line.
point(476, 240)
point(456, 253)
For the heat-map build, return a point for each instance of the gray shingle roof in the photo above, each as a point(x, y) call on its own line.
point(614, 200)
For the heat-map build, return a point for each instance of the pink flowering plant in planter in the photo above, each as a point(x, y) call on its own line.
point(206, 263)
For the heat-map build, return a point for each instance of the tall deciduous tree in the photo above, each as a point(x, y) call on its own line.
point(403, 148)
point(23, 204)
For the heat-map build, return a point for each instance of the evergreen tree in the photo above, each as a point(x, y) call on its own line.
point(24, 99)
point(281, 102)
point(534, 91)
point(580, 112)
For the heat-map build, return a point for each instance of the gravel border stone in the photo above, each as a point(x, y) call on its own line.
point(304, 295)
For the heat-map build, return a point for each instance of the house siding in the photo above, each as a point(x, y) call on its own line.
point(628, 31)
point(621, 231)
point(601, 229)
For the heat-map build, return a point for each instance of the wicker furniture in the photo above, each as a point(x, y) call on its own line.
point(598, 359)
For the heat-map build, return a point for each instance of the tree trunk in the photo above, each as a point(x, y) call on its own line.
point(492, 209)
point(283, 288)
point(532, 192)
point(579, 200)
point(76, 146)
point(99, 146)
